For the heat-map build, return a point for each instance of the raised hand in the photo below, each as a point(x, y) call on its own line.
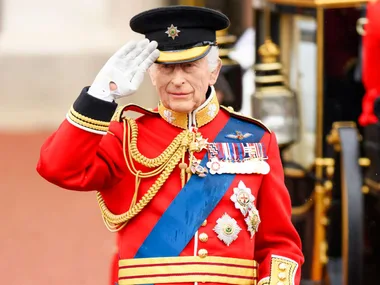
point(124, 71)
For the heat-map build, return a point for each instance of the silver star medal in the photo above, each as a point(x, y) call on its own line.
point(172, 32)
point(253, 221)
point(243, 198)
point(227, 229)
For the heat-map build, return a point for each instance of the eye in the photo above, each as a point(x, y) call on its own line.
point(166, 67)
point(188, 66)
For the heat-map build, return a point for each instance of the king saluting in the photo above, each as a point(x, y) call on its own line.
point(194, 190)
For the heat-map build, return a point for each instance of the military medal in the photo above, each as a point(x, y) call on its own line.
point(253, 221)
point(197, 168)
point(227, 229)
point(244, 158)
point(214, 165)
point(243, 198)
point(200, 143)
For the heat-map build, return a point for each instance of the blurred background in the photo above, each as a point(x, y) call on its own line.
point(50, 50)
point(307, 68)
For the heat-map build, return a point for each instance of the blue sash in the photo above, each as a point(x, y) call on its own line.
point(194, 203)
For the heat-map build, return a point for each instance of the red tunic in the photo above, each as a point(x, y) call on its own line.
point(371, 63)
point(76, 158)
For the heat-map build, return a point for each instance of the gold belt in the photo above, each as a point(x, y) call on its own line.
point(187, 269)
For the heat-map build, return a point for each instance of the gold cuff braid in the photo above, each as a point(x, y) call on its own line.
point(87, 122)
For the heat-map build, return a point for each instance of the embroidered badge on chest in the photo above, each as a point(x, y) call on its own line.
point(243, 198)
point(227, 229)
point(244, 201)
point(253, 221)
point(243, 158)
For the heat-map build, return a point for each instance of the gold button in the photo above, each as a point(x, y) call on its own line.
point(282, 266)
point(282, 276)
point(203, 237)
point(204, 223)
point(202, 253)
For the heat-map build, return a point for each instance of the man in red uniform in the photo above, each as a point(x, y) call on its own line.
point(194, 191)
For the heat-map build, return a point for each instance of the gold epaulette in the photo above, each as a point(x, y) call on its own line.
point(245, 118)
point(119, 113)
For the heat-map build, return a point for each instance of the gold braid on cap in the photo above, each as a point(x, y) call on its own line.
point(164, 163)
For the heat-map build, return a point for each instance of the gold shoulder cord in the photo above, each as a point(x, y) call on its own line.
point(164, 163)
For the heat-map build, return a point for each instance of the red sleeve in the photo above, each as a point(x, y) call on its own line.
point(278, 245)
point(371, 63)
point(85, 153)
point(76, 159)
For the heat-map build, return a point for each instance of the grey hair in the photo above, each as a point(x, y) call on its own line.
point(213, 58)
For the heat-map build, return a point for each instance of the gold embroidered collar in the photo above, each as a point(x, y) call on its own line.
point(198, 118)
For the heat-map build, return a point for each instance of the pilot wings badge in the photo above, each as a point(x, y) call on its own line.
point(239, 135)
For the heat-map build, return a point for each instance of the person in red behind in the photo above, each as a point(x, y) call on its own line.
point(194, 190)
point(371, 64)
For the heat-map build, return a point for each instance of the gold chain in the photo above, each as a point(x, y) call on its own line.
point(167, 161)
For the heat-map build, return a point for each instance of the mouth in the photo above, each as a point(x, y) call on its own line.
point(179, 94)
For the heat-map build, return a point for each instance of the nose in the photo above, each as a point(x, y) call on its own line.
point(178, 78)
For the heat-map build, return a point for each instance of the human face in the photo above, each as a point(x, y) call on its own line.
point(182, 87)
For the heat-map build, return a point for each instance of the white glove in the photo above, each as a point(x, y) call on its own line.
point(126, 69)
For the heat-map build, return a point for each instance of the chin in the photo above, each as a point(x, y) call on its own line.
point(182, 108)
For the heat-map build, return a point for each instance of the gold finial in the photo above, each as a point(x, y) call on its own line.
point(269, 51)
point(223, 37)
point(221, 33)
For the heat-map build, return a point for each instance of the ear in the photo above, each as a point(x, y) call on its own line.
point(152, 70)
point(214, 75)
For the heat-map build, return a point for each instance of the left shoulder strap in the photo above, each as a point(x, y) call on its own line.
point(245, 118)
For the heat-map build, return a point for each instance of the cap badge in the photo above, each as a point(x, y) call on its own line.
point(172, 32)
